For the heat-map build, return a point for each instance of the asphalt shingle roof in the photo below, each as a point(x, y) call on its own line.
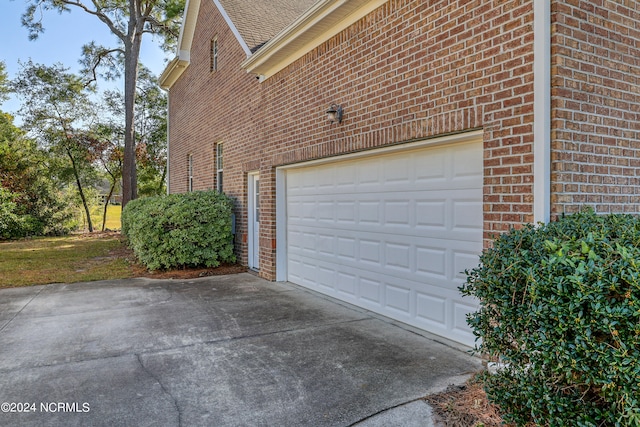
point(258, 21)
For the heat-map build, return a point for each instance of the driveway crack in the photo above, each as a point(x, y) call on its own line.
point(20, 311)
point(382, 411)
point(164, 389)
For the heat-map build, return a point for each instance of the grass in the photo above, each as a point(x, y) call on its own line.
point(113, 217)
point(113, 221)
point(68, 259)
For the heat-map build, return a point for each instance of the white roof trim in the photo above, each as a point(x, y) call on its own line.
point(174, 69)
point(325, 19)
point(180, 63)
point(233, 27)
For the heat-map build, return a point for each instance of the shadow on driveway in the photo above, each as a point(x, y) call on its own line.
point(218, 351)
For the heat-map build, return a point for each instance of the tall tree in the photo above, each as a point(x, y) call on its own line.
point(128, 20)
point(58, 111)
point(150, 131)
point(151, 135)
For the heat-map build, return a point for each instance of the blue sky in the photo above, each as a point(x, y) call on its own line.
point(61, 42)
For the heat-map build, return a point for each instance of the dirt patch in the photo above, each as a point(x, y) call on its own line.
point(98, 234)
point(465, 406)
point(187, 273)
point(139, 270)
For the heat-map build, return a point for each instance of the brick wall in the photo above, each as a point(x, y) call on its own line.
point(408, 71)
point(414, 70)
point(596, 106)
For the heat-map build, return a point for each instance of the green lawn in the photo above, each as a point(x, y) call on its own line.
point(68, 259)
point(113, 217)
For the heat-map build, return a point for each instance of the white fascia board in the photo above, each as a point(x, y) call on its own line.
point(233, 28)
point(542, 112)
point(184, 55)
point(172, 72)
point(176, 67)
point(188, 29)
point(324, 20)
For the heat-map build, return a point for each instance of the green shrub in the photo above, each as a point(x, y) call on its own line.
point(180, 230)
point(42, 212)
point(560, 307)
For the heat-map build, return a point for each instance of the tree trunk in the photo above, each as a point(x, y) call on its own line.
point(164, 176)
point(132, 54)
point(82, 196)
point(106, 204)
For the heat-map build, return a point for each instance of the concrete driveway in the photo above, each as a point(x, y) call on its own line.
point(218, 351)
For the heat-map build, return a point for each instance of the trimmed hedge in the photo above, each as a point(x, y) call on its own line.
point(560, 307)
point(180, 230)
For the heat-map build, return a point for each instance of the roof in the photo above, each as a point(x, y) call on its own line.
point(319, 23)
point(273, 33)
point(258, 21)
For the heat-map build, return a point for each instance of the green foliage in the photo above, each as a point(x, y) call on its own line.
point(560, 307)
point(4, 87)
point(128, 21)
point(30, 202)
point(180, 230)
point(150, 133)
point(56, 109)
point(10, 222)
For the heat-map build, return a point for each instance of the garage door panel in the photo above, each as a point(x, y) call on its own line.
point(383, 186)
point(463, 260)
point(440, 209)
point(417, 279)
point(347, 239)
point(404, 297)
point(391, 233)
point(431, 261)
point(465, 213)
point(398, 256)
point(369, 212)
point(370, 291)
point(347, 284)
point(460, 310)
point(431, 309)
point(441, 262)
point(347, 248)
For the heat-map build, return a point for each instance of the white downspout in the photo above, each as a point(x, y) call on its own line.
point(168, 142)
point(542, 111)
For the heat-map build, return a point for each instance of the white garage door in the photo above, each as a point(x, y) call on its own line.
point(391, 232)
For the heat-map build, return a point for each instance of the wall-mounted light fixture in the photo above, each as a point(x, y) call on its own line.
point(334, 113)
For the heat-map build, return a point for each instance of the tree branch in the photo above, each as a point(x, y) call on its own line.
point(100, 56)
point(159, 25)
point(97, 13)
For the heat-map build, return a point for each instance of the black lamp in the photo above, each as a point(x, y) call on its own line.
point(334, 113)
